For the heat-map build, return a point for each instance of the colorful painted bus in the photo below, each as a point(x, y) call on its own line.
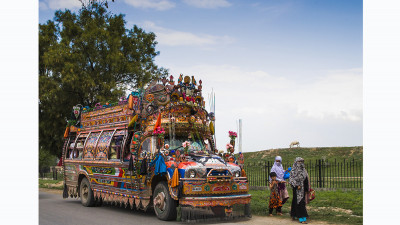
point(155, 148)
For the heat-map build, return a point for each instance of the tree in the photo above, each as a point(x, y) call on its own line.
point(86, 58)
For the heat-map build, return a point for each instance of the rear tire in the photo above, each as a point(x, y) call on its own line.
point(167, 209)
point(87, 198)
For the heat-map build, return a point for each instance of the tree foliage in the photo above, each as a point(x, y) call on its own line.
point(85, 58)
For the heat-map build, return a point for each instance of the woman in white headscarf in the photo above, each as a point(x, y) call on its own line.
point(301, 186)
point(278, 169)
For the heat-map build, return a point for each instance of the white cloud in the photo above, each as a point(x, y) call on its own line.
point(59, 4)
point(276, 110)
point(338, 94)
point(43, 6)
point(160, 5)
point(210, 4)
point(172, 37)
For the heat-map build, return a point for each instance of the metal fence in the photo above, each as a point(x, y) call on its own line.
point(52, 174)
point(322, 173)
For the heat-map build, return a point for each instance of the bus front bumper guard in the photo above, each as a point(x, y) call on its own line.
point(211, 201)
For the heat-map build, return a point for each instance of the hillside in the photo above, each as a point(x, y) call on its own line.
point(289, 154)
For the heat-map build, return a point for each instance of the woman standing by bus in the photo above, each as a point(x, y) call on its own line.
point(301, 185)
point(278, 169)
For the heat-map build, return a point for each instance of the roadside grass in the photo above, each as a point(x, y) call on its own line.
point(50, 184)
point(340, 207)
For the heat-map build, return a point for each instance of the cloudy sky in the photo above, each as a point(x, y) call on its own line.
point(290, 69)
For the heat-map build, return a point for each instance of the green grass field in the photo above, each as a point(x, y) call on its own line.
point(342, 207)
point(308, 154)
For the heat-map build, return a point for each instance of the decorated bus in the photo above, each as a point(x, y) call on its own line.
point(155, 148)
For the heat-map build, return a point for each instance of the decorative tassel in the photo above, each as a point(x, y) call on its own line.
point(145, 203)
point(65, 191)
point(134, 119)
point(66, 132)
point(132, 202)
point(158, 123)
point(212, 128)
point(143, 167)
point(130, 102)
point(175, 178)
point(137, 202)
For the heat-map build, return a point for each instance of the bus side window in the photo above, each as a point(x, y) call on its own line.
point(79, 148)
point(127, 150)
point(115, 147)
point(70, 151)
point(147, 147)
point(75, 149)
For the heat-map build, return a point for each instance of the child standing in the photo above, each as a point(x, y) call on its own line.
point(274, 200)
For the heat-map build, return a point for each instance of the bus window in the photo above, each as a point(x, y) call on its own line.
point(75, 149)
point(126, 153)
point(79, 148)
point(147, 147)
point(70, 152)
point(115, 147)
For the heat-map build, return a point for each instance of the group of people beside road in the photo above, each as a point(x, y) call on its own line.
point(298, 181)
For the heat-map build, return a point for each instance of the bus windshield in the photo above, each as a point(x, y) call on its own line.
point(196, 146)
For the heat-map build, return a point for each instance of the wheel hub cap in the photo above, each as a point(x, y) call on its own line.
point(159, 201)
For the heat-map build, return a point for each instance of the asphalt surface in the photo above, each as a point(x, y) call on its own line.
point(54, 210)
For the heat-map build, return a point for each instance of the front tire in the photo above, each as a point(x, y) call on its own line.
point(87, 198)
point(247, 211)
point(164, 205)
point(218, 211)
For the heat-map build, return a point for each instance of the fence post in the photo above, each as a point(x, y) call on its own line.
point(319, 173)
point(267, 174)
point(323, 172)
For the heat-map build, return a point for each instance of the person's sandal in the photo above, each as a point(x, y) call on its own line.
point(270, 215)
point(304, 222)
point(279, 214)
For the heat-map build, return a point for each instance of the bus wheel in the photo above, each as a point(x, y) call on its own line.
point(247, 211)
point(218, 211)
point(86, 192)
point(164, 205)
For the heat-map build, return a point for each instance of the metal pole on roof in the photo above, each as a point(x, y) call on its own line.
point(215, 132)
point(240, 135)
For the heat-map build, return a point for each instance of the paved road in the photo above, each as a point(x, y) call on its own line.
point(54, 210)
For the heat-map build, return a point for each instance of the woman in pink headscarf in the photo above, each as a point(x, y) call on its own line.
point(278, 169)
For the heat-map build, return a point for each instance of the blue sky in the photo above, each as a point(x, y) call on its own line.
point(291, 70)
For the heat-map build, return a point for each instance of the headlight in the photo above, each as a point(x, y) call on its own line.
point(236, 174)
point(192, 174)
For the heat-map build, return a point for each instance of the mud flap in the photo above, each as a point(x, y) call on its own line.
point(65, 191)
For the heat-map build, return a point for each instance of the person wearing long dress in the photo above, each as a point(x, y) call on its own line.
point(300, 183)
point(278, 169)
